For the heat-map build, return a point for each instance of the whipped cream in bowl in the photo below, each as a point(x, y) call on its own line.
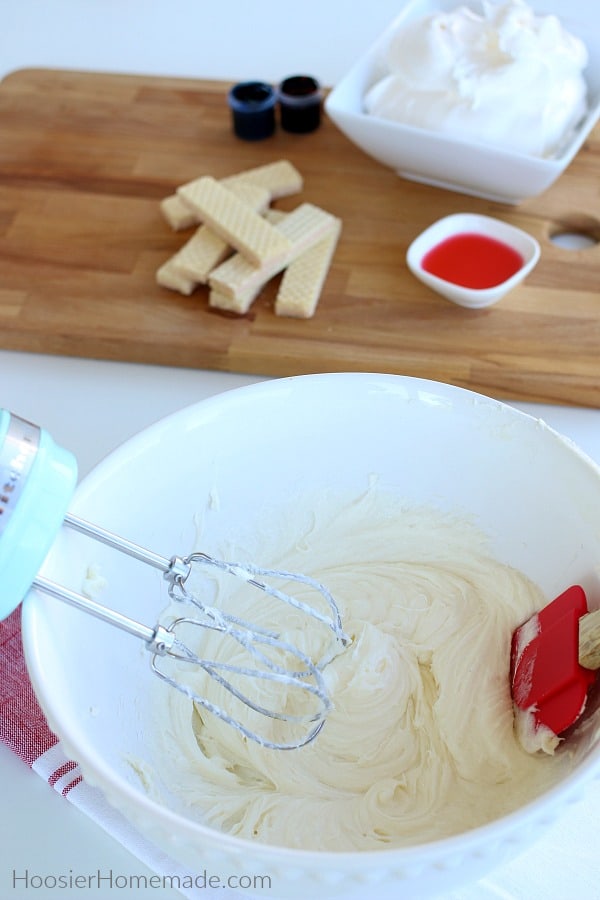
point(506, 76)
point(490, 99)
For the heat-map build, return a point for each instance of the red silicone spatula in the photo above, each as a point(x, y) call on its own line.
point(554, 658)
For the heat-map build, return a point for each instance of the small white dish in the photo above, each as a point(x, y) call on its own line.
point(502, 255)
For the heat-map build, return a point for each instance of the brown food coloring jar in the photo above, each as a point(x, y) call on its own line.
point(300, 103)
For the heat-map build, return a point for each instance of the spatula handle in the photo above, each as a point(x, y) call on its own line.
point(589, 640)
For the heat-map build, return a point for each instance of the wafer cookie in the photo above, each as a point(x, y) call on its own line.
point(169, 276)
point(280, 178)
point(205, 249)
point(240, 304)
point(199, 255)
point(235, 222)
point(275, 216)
point(303, 280)
point(257, 196)
point(177, 213)
point(303, 227)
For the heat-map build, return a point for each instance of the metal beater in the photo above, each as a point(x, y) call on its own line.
point(37, 480)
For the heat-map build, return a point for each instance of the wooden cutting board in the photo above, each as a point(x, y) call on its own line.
point(85, 159)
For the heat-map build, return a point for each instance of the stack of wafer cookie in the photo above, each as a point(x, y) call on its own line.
point(240, 242)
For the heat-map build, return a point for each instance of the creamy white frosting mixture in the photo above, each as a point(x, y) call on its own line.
point(506, 77)
point(421, 742)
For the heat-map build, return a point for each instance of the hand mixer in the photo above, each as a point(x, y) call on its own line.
point(37, 481)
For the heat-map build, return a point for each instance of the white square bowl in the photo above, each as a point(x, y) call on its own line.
point(461, 165)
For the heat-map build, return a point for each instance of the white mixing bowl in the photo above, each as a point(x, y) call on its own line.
point(528, 489)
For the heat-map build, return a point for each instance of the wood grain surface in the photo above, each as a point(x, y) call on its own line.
point(85, 159)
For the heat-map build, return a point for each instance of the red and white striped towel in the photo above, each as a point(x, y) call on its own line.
point(24, 729)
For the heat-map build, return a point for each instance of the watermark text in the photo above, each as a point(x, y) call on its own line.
point(109, 880)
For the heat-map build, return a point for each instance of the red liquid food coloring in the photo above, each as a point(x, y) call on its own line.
point(472, 261)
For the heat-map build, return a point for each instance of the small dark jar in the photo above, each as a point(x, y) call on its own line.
point(300, 99)
point(252, 105)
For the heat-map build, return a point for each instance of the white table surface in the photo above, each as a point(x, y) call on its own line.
point(90, 406)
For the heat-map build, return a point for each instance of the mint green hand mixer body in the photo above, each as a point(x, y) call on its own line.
point(37, 482)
